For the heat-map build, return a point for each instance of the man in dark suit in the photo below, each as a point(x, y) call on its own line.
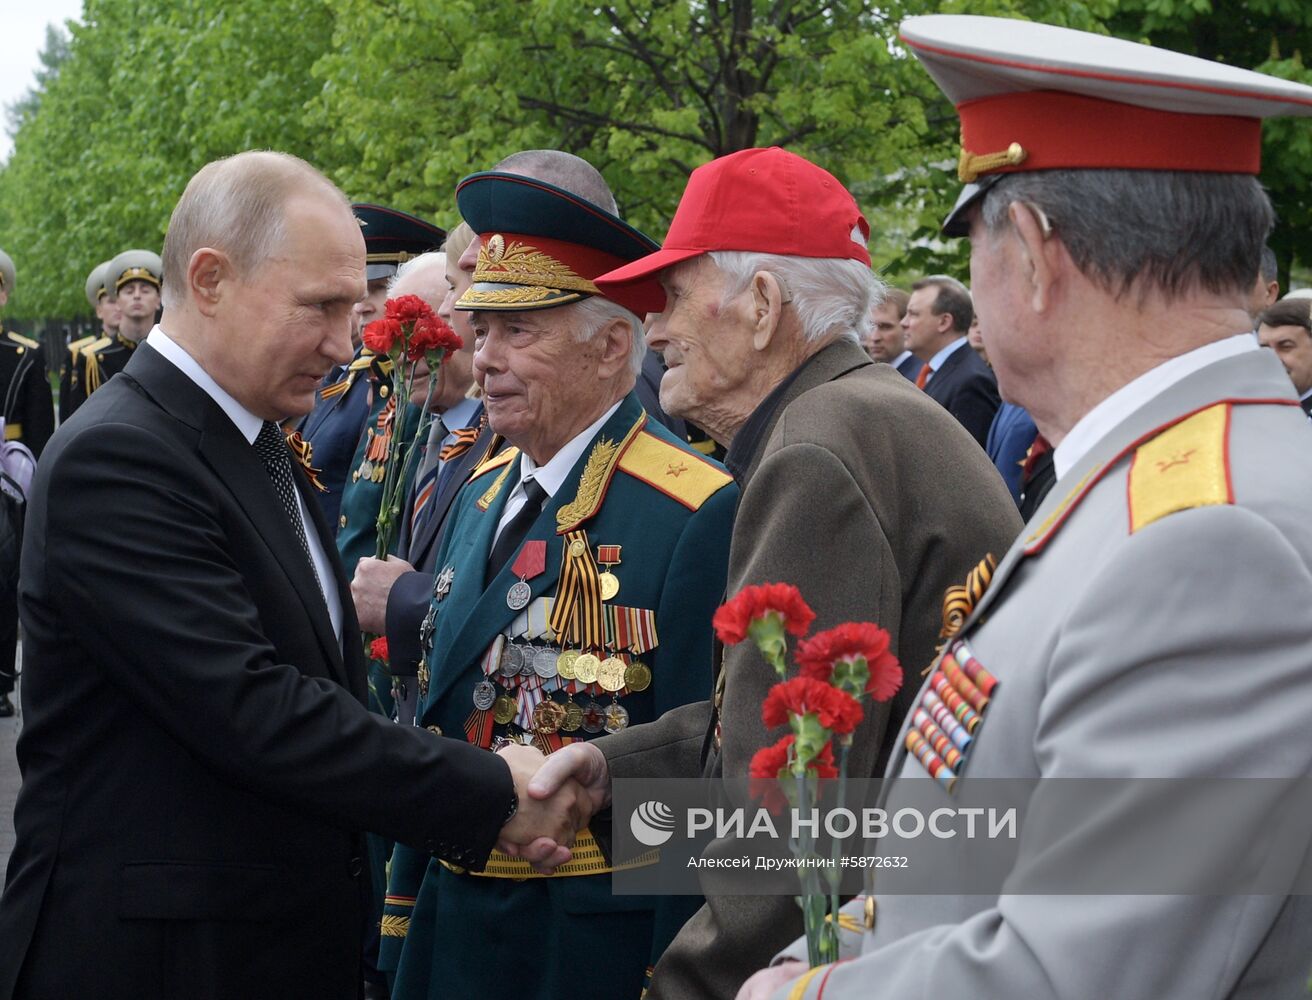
point(1286, 328)
point(884, 338)
point(197, 757)
point(937, 319)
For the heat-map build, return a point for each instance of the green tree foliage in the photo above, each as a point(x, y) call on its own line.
point(148, 93)
point(397, 99)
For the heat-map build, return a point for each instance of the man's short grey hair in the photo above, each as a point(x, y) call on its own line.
point(595, 312)
point(565, 170)
point(433, 258)
point(236, 205)
point(952, 298)
point(1269, 270)
point(832, 296)
point(1174, 233)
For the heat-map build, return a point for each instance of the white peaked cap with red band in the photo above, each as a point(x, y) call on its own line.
point(1038, 97)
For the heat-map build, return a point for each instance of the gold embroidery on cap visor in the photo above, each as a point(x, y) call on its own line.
point(136, 274)
point(516, 275)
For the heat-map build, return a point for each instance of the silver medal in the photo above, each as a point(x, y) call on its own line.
point(485, 693)
point(511, 660)
point(442, 585)
point(518, 596)
point(544, 662)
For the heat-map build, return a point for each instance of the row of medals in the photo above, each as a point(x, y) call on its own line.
point(611, 674)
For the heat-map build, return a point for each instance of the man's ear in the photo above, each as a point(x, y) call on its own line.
point(616, 343)
point(1043, 256)
point(767, 308)
point(210, 275)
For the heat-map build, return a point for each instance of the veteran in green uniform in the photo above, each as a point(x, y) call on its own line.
point(1147, 629)
point(134, 279)
point(575, 589)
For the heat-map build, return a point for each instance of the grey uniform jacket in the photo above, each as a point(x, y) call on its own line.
point(871, 498)
point(1151, 622)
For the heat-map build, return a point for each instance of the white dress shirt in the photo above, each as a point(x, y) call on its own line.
point(1103, 418)
point(249, 425)
point(553, 473)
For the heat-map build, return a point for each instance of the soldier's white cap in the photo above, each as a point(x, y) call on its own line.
point(96, 283)
point(134, 265)
point(1037, 97)
point(7, 273)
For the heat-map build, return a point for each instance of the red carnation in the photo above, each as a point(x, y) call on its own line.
point(381, 335)
point(378, 649)
point(408, 309)
point(769, 767)
point(733, 619)
point(835, 710)
point(848, 642)
point(432, 334)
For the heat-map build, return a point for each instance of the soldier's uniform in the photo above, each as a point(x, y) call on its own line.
point(344, 408)
point(1147, 624)
point(105, 356)
point(599, 619)
point(70, 380)
point(29, 417)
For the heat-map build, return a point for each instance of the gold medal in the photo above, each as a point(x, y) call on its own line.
point(617, 717)
point(565, 664)
point(577, 547)
point(610, 674)
point(637, 676)
point(585, 668)
point(423, 678)
point(610, 585)
point(503, 709)
point(573, 717)
point(547, 717)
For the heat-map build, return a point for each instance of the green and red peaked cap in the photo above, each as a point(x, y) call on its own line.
point(757, 201)
point(1037, 97)
point(542, 247)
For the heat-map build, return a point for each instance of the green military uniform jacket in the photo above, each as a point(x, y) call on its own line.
point(638, 494)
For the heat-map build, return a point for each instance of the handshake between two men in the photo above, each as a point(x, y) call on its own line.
point(558, 796)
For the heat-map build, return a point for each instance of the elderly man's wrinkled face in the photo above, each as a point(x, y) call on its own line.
point(706, 343)
point(284, 325)
point(458, 368)
point(536, 377)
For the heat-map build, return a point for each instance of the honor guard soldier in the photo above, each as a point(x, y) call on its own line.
point(333, 428)
point(1148, 625)
point(577, 580)
point(29, 412)
point(133, 278)
point(107, 311)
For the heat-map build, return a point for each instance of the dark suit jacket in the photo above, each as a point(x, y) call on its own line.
point(843, 499)
point(910, 367)
point(965, 385)
point(197, 758)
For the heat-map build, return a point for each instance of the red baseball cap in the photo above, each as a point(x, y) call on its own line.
point(758, 201)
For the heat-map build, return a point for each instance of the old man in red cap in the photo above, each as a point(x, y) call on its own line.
point(856, 487)
point(1148, 628)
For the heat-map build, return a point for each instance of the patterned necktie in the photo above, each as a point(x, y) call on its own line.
point(271, 446)
point(923, 377)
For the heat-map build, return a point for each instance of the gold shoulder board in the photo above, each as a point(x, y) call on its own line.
point(682, 474)
point(1185, 466)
